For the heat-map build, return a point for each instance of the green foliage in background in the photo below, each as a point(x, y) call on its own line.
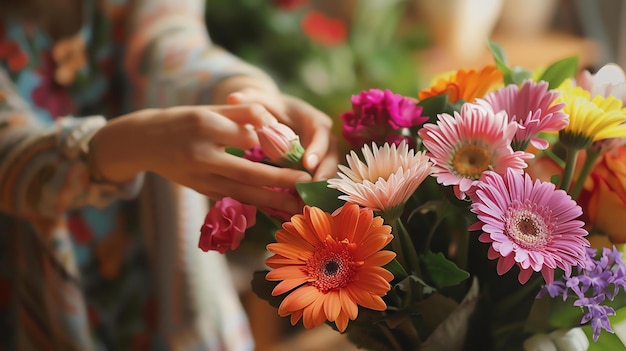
point(379, 50)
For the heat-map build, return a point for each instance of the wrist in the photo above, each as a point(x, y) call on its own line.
point(113, 155)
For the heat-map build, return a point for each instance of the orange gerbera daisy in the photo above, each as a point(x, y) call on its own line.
point(331, 264)
point(465, 84)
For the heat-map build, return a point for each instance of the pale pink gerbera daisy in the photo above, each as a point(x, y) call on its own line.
point(469, 143)
point(385, 181)
point(530, 224)
point(533, 107)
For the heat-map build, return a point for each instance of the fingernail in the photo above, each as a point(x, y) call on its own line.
point(234, 98)
point(270, 119)
point(312, 160)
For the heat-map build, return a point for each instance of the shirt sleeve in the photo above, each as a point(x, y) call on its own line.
point(170, 58)
point(43, 168)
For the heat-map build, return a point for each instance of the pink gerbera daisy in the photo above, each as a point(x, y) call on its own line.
point(530, 224)
point(385, 181)
point(469, 143)
point(533, 107)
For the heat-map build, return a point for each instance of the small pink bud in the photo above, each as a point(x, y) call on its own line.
point(280, 143)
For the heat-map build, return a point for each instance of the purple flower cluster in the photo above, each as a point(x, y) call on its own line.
point(380, 116)
point(596, 281)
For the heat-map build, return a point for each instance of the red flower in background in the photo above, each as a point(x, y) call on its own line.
point(50, 95)
point(290, 5)
point(324, 30)
point(11, 52)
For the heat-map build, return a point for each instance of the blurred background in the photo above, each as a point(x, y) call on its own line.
point(326, 50)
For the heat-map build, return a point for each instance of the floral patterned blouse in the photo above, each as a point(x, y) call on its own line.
point(100, 266)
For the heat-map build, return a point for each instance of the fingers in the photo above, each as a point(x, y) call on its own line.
point(257, 174)
point(328, 166)
point(253, 195)
point(272, 101)
point(316, 149)
point(254, 114)
point(314, 127)
point(224, 125)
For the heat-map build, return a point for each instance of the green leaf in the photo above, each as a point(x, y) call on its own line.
point(397, 270)
point(318, 194)
point(501, 61)
point(520, 74)
point(434, 309)
point(442, 271)
point(263, 231)
point(498, 53)
point(433, 105)
point(235, 151)
point(557, 72)
point(607, 341)
point(263, 288)
point(450, 108)
point(450, 333)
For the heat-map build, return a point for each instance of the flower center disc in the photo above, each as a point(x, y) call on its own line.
point(330, 269)
point(527, 228)
point(471, 161)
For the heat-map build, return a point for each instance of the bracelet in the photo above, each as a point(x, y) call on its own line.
point(76, 138)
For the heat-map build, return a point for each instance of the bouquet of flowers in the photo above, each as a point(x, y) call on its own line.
point(482, 214)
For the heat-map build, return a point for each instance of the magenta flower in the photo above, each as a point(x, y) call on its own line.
point(528, 224)
point(255, 154)
point(280, 144)
point(379, 116)
point(225, 225)
point(533, 107)
point(469, 143)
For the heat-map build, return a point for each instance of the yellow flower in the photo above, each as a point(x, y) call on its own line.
point(590, 119)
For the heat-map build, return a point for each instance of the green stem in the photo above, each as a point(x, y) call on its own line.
point(407, 248)
point(590, 161)
point(396, 246)
point(431, 233)
point(462, 249)
point(570, 164)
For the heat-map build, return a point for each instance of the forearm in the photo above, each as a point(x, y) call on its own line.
point(42, 169)
point(172, 61)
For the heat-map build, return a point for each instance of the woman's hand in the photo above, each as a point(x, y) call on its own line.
point(313, 126)
point(187, 146)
